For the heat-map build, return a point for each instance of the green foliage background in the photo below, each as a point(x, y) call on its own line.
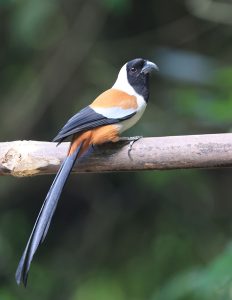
point(147, 235)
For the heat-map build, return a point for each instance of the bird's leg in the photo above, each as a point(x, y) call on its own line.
point(132, 140)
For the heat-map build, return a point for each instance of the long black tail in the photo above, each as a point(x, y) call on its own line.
point(44, 218)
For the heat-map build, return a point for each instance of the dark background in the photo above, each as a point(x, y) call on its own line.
point(131, 236)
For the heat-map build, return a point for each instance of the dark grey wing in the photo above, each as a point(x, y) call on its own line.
point(84, 120)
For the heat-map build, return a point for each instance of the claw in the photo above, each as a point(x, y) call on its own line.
point(132, 140)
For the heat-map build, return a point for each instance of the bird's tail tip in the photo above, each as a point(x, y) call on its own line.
point(21, 275)
point(20, 280)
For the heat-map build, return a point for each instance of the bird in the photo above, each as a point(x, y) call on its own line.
point(111, 113)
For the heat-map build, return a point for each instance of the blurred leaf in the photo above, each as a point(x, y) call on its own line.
point(5, 3)
point(212, 282)
point(100, 287)
point(119, 6)
point(202, 105)
point(6, 294)
point(37, 23)
point(223, 78)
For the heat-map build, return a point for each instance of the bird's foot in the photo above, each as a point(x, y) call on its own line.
point(132, 140)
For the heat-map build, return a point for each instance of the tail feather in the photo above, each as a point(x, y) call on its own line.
point(44, 218)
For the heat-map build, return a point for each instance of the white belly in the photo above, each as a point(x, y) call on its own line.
point(124, 125)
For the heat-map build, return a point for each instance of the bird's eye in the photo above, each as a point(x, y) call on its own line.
point(133, 69)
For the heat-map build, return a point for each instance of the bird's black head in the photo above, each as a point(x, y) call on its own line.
point(138, 71)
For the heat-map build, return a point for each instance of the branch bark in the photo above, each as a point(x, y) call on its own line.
point(27, 158)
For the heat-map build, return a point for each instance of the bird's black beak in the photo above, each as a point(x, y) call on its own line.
point(149, 67)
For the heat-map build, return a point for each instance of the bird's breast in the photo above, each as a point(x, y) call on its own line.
point(124, 125)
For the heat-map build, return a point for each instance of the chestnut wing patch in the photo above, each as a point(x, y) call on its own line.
point(115, 98)
point(85, 120)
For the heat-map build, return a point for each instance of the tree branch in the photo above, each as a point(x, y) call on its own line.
point(27, 158)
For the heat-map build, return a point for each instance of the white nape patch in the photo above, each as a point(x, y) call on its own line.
point(122, 83)
point(114, 112)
